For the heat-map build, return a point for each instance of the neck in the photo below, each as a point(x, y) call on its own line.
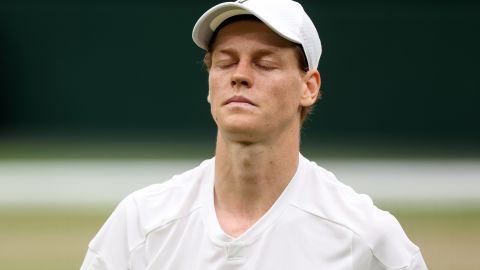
point(249, 178)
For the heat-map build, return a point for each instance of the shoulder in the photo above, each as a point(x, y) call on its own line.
point(151, 207)
point(143, 211)
point(378, 231)
point(161, 203)
point(176, 186)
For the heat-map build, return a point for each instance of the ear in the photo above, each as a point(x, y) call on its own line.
point(208, 97)
point(311, 89)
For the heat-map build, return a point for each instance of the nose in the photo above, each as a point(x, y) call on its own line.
point(242, 75)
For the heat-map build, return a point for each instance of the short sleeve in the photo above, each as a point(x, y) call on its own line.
point(111, 246)
point(386, 247)
point(93, 261)
point(418, 263)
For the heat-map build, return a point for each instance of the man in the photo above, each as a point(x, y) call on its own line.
point(259, 204)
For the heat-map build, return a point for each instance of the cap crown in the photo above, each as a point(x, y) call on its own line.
point(287, 18)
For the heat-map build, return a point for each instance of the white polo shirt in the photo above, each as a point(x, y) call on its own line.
point(316, 223)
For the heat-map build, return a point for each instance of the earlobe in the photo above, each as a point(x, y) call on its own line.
point(311, 89)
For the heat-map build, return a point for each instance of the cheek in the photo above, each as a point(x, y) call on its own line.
point(288, 94)
point(211, 90)
point(214, 95)
point(214, 86)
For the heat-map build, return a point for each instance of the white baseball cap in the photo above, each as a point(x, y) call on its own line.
point(285, 17)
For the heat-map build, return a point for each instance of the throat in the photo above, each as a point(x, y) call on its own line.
point(248, 181)
point(235, 225)
point(235, 218)
point(239, 206)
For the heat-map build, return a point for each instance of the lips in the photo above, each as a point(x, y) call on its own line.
point(239, 99)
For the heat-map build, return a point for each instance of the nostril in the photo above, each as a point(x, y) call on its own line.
point(240, 82)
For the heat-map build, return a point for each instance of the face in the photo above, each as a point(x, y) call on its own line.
point(256, 88)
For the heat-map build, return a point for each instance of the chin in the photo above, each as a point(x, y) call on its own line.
point(239, 122)
point(239, 130)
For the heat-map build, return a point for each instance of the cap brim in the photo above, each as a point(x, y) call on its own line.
point(211, 19)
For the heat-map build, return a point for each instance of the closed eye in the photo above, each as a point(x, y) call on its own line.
point(224, 63)
point(266, 65)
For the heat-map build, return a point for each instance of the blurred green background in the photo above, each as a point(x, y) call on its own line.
point(122, 80)
point(403, 70)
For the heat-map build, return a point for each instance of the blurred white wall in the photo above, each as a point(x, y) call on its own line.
point(86, 182)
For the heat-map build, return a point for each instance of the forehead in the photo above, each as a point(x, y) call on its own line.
point(253, 31)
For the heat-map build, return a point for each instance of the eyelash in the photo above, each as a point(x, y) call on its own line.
point(265, 66)
point(223, 64)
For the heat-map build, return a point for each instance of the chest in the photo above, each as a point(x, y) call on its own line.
point(285, 245)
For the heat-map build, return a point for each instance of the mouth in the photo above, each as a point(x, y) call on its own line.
point(239, 99)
